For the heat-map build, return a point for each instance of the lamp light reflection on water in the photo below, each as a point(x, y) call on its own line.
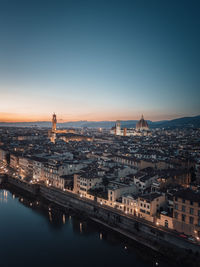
point(100, 236)
point(4, 196)
point(81, 228)
point(50, 217)
point(63, 218)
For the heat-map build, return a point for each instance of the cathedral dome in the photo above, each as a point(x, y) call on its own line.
point(142, 124)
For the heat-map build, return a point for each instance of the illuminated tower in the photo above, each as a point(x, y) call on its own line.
point(54, 121)
point(118, 128)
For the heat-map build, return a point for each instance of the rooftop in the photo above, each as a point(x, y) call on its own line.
point(188, 194)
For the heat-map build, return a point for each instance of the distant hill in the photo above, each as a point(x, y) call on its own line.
point(180, 122)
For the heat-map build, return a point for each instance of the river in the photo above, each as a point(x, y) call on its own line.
point(34, 234)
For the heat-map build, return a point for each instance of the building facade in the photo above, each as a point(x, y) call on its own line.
point(186, 212)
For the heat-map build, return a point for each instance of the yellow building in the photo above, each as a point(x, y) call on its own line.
point(84, 181)
point(149, 205)
point(186, 212)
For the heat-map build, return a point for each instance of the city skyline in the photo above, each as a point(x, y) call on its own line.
point(61, 120)
point(99, 60)
point(100, 133)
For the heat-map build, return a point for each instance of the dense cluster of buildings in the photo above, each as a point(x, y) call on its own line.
point(64, 134)
point(154, 177)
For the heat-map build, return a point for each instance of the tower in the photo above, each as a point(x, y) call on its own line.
point(118, 128)
point(54, 121)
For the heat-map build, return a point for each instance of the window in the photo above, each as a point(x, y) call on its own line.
point(183, 218)
point(176, 199)
point(191, 202)
point(198, 222)
point(141, 210)
point(166, 223)
point(176, 206)
point(176, 215)
point(199, 213)
point(191, 220)
point(141, 204)
point(183, 208)
point(183, 200)
point(191, 211)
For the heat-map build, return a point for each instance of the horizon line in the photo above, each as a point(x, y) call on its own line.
point(36, 121)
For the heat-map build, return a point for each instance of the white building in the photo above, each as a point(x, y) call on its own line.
point(53, 172)
point(130, 204)
point(143, 180)
point(116, 190)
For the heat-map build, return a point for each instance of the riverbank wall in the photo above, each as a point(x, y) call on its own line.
point(136, 229)
point(149, 235)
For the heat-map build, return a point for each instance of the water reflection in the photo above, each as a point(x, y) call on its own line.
point(4, 196)
point(74, 233)
point(81, 227)
point(64, 219)
point(100, 236)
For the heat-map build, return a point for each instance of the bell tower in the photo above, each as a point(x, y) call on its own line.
point(118, 128)
point(54, 121)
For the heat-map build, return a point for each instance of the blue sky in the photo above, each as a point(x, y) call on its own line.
point(99, 60)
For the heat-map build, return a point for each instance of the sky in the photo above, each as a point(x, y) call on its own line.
point(99, 59)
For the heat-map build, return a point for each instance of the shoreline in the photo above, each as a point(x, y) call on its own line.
point(156, 243)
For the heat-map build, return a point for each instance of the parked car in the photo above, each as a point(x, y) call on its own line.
point(182, 235)
point(192, 239)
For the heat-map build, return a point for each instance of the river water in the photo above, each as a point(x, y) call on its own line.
point(34, 234)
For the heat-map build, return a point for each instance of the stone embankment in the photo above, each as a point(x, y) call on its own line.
point(161, 240)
